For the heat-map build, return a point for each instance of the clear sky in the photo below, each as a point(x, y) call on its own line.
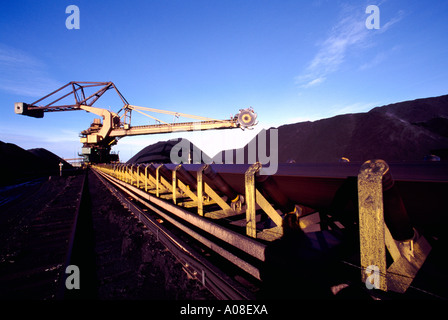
point(290, 60)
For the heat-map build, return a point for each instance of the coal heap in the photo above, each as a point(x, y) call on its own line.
point(160, 152)
point(405, 131)
point(49, 158)
point(21, 165)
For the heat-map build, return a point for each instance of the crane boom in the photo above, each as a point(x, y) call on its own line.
point(103, 133)
point(174, 127)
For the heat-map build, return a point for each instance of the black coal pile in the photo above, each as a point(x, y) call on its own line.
point(161, 152)
point(406, 131)
point(22, 165)
point(49, 158)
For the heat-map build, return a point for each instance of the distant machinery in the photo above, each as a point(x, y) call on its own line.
point(102, 134)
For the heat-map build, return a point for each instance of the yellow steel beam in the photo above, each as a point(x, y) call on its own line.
point(158, 181)
point(268, 209)
point(150, 181)
point(200, 190)
point(203, 190)
point(178, 184)
point(249, 178)
point(375, 237)
point(173, 127)
point(254, 198)
point(371, 222)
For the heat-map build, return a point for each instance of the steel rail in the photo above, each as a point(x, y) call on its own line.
point(61, 290)
point(217, 282)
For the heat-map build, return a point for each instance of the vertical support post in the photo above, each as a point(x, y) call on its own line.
point(371, 222)
point(131, 175)
point(138, 176)
point(158, 181)
point(249, 178)
point(60, 168)
point(146, 178)
point(174, 183)
point(200, 190)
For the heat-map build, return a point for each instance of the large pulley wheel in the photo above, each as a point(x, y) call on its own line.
point(247, 118)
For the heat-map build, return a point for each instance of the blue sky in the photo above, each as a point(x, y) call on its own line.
point(290, 60)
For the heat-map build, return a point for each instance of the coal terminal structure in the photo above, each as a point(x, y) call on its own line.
point(134, 229)
point(153, 228)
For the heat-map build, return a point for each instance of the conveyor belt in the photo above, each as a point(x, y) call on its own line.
point(220, 198)
point(423, 186)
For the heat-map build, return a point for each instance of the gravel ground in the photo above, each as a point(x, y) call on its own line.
point(130, 263)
